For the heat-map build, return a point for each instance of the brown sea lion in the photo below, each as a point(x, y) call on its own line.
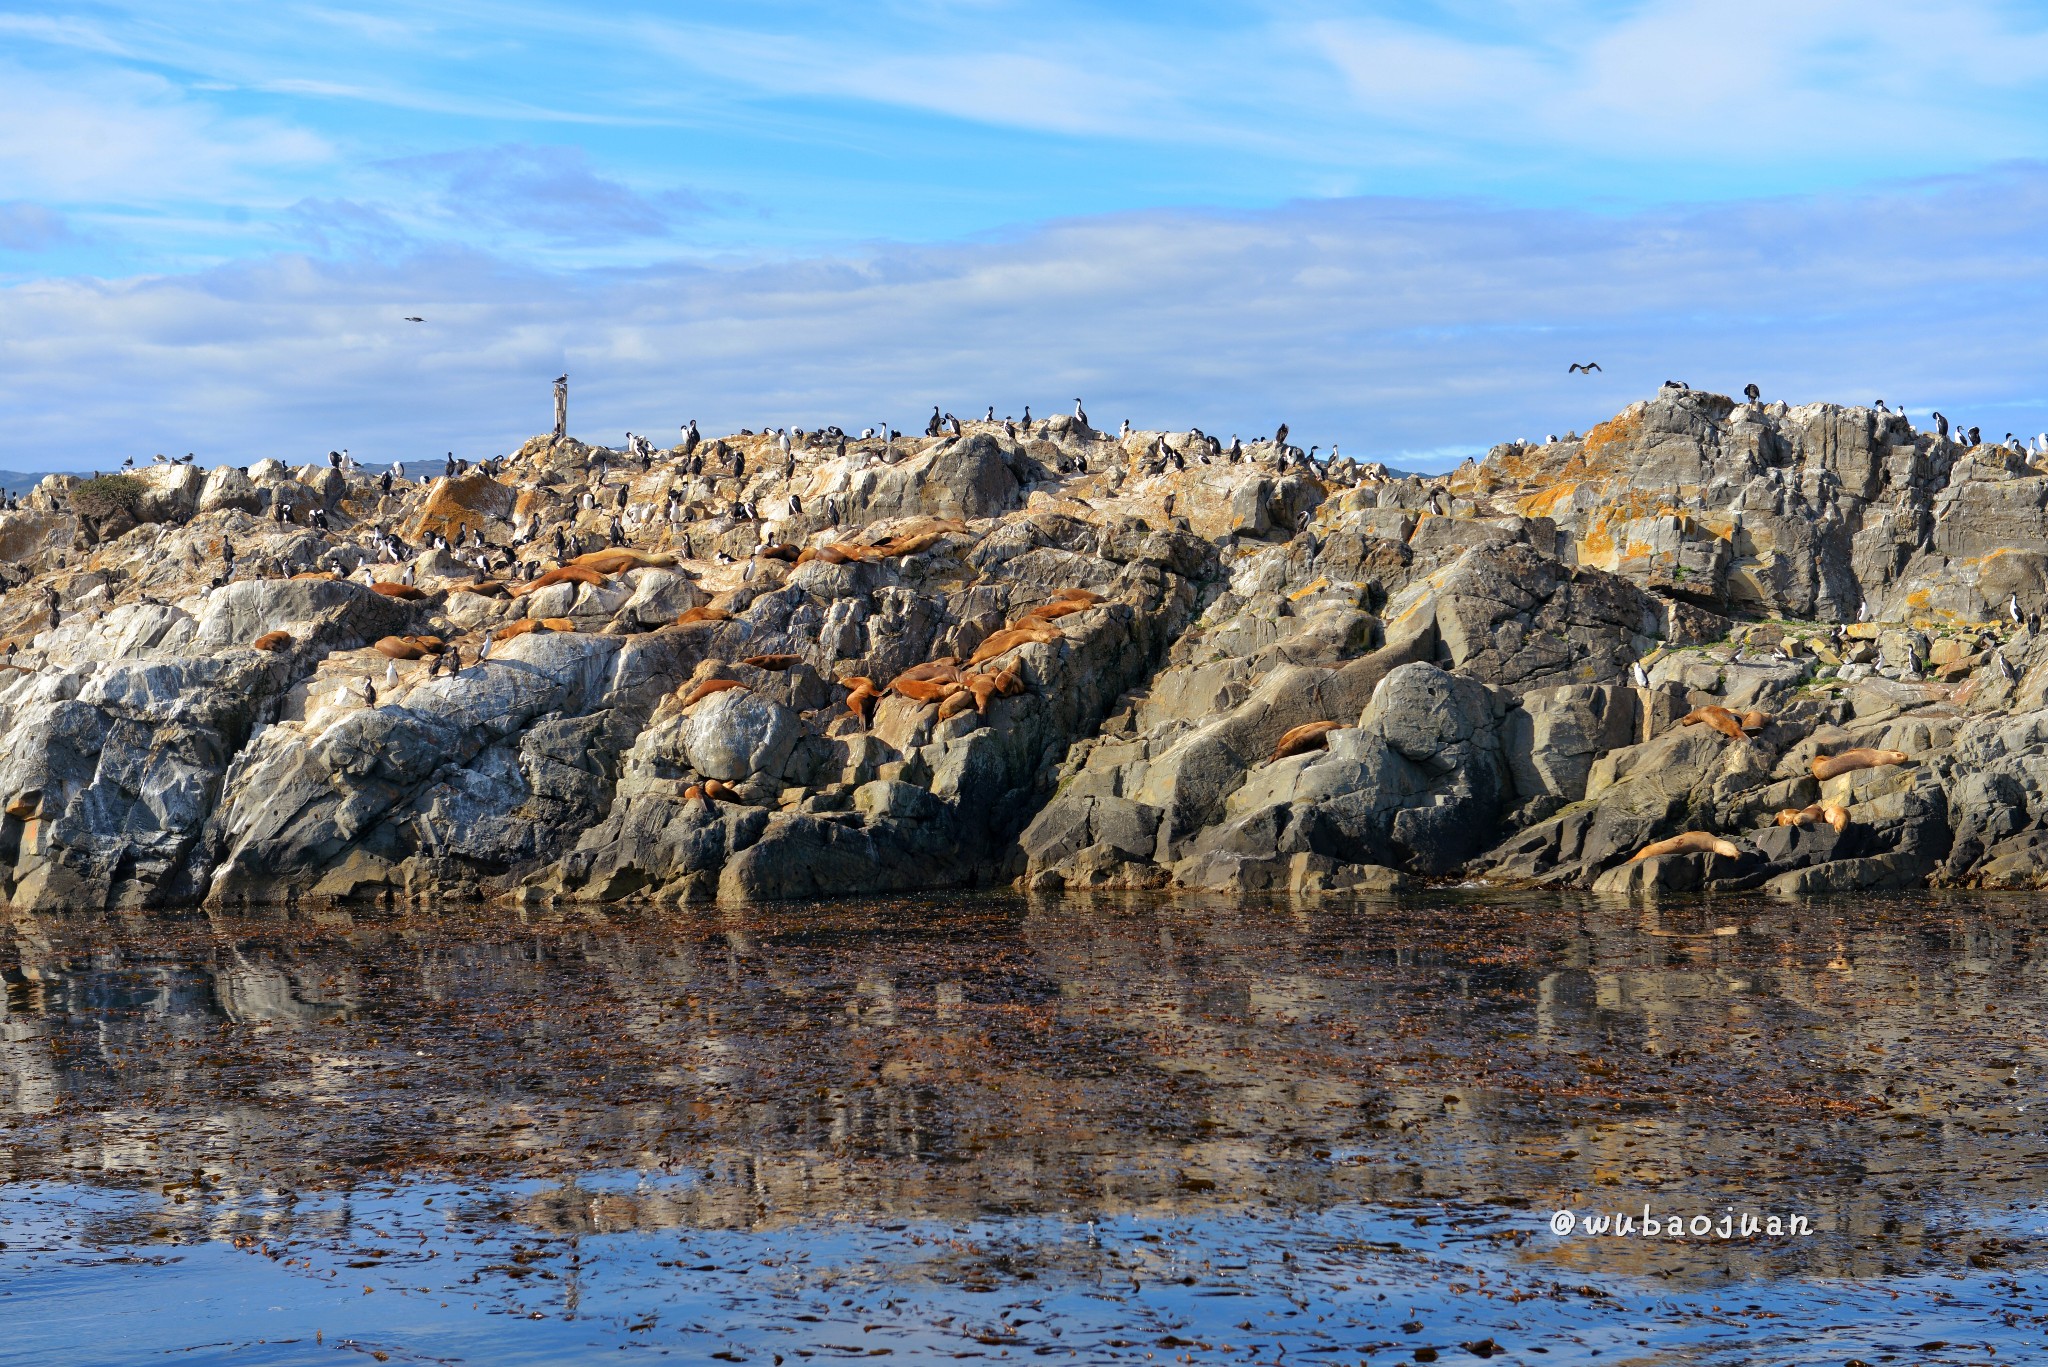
point(961, 699)
point(774, 663)
point(407, 592)
point(560, 574)
point(1088, 596)
point(1826, 767)
point(399, 648)
point(932, 671)
point(778, 550)
point(518, 628)
point(720, 791)
point(1754, 720)
point(272, 640)
point(1053, 611)
point(1009, 680)
point(1692, 842)
point(924, 690)
point(707, 688)
point(694, 793)
point(1032, 633)
point(860, 697)
point(558, 623)
point(1308, 736)
point(316, 574)
point(696, 615)
point(1833, 813)
point(1720, 718)
point(620, 559)
point(487, 588)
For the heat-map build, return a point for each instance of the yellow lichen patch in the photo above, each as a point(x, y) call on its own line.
point(1544, 502)
point(1622, 427)
point(1313, 586)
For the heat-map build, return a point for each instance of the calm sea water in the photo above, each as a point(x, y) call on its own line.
point(1110, 1131)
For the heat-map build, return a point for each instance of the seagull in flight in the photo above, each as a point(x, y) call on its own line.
point(410, 319)
point(1588, 367)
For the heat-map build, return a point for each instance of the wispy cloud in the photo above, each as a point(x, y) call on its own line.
point(1393, 327)
point(30, 227)
point(551, 192)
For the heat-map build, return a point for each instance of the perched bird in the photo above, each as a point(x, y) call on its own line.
point(1940, 426)
point(1080, 414)
point(1755, 395)
point(391, 674)
point(484, 653)
point(1637, 675)
point(2012, 610)
point(1280, 437)
point(1583, 368)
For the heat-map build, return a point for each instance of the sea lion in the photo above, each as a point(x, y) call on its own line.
point(1009, 680)
point(560, 574)
point(959, 700)
point(316, 574)
point(558, 624)
point(1720, 718)
point(924, 690)
point(487, 588)
point(1826, 767)
point(1833, 813)
point(696, 615)
point(776, 550)
point(932, 671)
point(399, 648)
point(860, 697)
point(1754, 720)
point(619, 560)
point(406, 592)
point(774, 663)
point(1313, 735)
point(1088, 596)
point(912, 544)
point(1692, 842)
point(694, 793)
point(1053, 611)
point(272, 640)
point(518, 628)
point(719, 791)
point(707, 688)
point(1000, 642)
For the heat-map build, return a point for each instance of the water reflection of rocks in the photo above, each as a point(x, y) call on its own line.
point(1873, 1066)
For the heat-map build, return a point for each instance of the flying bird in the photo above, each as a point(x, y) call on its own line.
point(410, 319)
point(1587, 368)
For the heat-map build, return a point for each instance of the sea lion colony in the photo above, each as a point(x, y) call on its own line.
point(1707, 644)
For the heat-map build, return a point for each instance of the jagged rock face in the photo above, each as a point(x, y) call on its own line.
point(1036, 654)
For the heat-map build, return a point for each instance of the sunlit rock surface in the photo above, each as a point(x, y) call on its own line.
point(774, 665)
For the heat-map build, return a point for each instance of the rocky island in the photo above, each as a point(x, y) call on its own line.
point(1709, 644)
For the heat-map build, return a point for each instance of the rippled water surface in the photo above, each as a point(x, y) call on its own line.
point(1114, 1131)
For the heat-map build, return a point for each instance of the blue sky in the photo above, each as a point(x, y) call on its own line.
point(1391, 225)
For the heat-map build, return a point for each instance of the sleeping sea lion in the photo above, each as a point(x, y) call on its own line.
point(1833, 813)
point(518, 628)
point(1692, 842)
point(1313, 735)
point(1720, 718)
point(923, 690)
point(399, 648)
point(560, 574)
point(707, 688)
point(773, 663)
point(696, 615)
point(406, 592)
point(619, 560)
point(272, 640)
point(719, 791)
point(1000, 642)
point(959, 700)
point(1849, 761)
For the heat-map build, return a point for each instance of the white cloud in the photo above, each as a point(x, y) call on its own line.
point(133, 138)
point(1391, 326)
